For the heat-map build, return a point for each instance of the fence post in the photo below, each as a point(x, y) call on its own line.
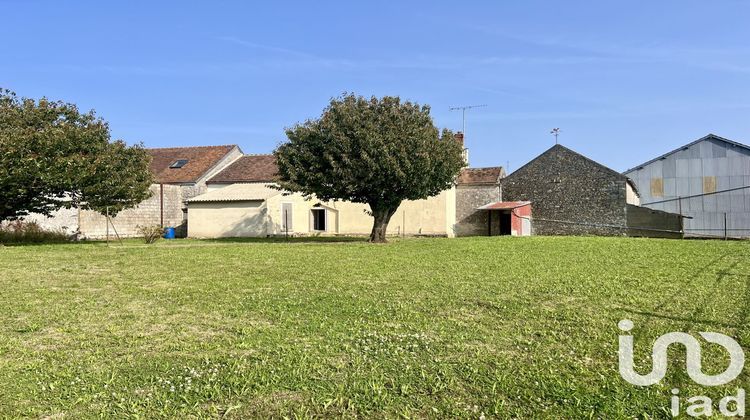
point(106, 223)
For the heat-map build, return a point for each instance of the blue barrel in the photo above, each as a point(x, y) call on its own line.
point(169, 233)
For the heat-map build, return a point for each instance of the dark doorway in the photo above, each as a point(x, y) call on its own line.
point(505, 223)
point(319, 219)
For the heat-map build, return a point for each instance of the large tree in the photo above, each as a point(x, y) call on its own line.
point(378, 151)
point(53, 156)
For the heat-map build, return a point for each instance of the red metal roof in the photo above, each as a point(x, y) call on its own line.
point(504, 205)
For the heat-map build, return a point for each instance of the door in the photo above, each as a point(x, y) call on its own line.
point(505, 223)
point(525, 226)
point(318, 219)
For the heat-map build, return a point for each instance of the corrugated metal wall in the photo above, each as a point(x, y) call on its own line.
point(711, 165)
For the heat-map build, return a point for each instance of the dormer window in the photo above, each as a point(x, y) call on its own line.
point(179, 163)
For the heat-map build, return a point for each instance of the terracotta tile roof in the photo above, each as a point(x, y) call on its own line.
point(480, 176)
point(200, 160)
point(248, 168)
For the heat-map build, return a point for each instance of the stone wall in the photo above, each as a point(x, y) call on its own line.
point(469, 220)
point(65, 220)
point(570, 194)
point(93, 225)
point(148, 213)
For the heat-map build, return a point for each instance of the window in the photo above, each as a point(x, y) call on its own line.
point(179, 163)
point(657, 187)
point(286, 217)
point(319, 219)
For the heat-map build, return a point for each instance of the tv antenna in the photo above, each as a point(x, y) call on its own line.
point(463, 114)
point(555, 132)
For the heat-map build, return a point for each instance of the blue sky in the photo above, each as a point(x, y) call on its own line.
point(625, 81)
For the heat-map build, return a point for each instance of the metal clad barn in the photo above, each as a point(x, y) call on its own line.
point(708, 180)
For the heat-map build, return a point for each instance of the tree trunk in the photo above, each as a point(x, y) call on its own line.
point(381, 216)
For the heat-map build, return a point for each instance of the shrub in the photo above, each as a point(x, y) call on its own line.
point(150, 234)
point(20, 232)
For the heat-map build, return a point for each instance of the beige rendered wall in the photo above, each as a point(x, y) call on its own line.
point(630, 196)
point(300, 217)
point(227, 219)
point(433, 216)
point(214, 187)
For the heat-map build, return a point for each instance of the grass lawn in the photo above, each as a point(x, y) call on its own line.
point(508, 327)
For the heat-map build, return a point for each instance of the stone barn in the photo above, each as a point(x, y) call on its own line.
point(571, 194)
point(180, 174)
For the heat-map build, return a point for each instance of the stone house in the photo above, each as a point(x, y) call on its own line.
point(180, 173)
point(242, 201)
point(476, 187)
point(571, 194)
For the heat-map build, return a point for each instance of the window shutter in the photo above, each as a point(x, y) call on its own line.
point(287, 217)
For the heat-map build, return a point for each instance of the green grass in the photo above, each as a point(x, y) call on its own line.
point(508, 327)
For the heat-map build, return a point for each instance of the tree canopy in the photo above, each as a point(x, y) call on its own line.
point(378, 151)
point(53, 156)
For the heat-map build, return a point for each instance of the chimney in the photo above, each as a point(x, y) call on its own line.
point(459, 137)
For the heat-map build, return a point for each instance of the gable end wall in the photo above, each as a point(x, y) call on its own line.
point(566, 187)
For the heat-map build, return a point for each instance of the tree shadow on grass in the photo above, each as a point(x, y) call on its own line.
point(18, 244)
point(690, 319)
point(296, 240)
point(185, 242)
point(695, 316)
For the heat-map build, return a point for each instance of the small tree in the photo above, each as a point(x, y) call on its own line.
point(53, 156)
point(374, 151)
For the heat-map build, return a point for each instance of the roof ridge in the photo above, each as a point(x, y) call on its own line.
point(191, 147)
point(706, 137)
point(560, 146)
point(590, 160)
point(485, 167)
